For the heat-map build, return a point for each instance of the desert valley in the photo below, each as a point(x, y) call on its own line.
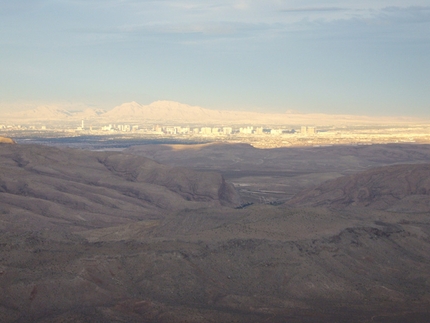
point(215, 232)
point(214, 161)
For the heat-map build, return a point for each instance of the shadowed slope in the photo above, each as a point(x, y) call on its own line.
point(404, 188)
point(191, 185)
point(254, 265)
point(155, 245)
point(276, 175)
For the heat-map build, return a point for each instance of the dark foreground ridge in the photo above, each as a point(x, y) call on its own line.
point(109, 237)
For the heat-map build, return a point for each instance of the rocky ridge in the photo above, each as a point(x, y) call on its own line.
point(71, 188)
point(397, 188)
point(109, 237)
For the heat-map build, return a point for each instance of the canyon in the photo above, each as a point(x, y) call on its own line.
point(174, 234)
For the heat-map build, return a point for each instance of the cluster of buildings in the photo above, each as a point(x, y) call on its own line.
point(249, 130)
point(209, 131)
point(120, 127)
point(174, 130)
point(304, 130)
point(20, 127)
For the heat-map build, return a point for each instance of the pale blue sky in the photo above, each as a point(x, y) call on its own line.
point(370, 57)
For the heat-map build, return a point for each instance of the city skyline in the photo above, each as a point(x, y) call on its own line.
point(334, 57)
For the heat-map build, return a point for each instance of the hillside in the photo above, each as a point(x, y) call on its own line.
point(278, 174)
point(66, 188)
point(109, 237)
point(397, 188)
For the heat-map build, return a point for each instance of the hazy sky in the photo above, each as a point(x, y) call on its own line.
point(330, 56)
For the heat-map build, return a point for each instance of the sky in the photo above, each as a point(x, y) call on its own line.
point(367, 57)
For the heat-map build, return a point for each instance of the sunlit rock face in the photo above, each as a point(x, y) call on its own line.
point(5, 140)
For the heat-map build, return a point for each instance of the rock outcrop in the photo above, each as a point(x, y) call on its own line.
point(5, 140)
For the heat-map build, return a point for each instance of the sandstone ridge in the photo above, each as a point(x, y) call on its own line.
point(5, 140)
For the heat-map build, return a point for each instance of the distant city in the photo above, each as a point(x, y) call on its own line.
point(167, 130)
point(255, 135)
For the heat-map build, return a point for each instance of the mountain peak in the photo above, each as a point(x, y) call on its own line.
point(170, 105)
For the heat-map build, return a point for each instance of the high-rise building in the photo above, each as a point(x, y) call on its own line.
point(303, 130)
point(206, 130)
point(247, 130)
point(227, 130)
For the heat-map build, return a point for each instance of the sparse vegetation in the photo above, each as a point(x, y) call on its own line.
point(113, 237)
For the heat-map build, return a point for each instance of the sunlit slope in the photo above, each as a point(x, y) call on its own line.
point(45, 187)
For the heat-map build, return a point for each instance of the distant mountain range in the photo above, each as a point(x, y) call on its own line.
point(53, 112)
point(170, 112)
